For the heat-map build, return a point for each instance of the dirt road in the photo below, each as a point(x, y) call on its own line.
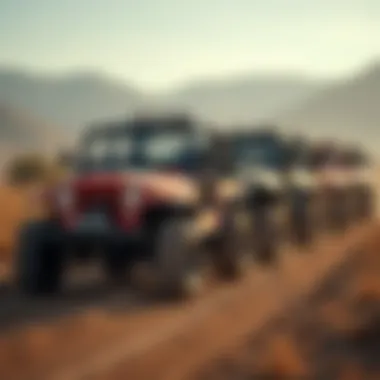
point(333, 334)
point(119, 336)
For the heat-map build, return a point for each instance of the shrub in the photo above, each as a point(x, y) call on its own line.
point(27, 168)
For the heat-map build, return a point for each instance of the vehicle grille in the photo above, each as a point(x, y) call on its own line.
point(107, 204)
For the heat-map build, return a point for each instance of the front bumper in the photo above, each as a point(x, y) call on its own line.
point(92, 237)
point(94, 228)
point(102, 237)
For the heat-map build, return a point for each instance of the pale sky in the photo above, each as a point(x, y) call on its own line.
point(157, 44)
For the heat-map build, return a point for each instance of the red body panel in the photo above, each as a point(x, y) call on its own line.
point(109, 189)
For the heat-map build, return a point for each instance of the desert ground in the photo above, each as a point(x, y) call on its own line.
point(315, 314)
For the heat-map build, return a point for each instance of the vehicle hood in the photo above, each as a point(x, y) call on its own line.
point(269, 178)
point(303, 178)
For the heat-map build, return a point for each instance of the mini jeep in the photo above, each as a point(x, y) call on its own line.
point(152, 190)
point(302, 192)
point(259, 156)
point(360, 192)
point(332, 184)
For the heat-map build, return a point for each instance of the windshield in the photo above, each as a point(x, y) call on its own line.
point(258, 153)
point(154, 149)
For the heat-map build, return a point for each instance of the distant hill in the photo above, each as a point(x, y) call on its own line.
point(75, 100)
point(69, 101)
point(244, 99)
point(349, 109)
point(21, 131)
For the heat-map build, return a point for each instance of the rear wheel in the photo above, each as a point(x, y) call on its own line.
point(39, 258)
point(301, 219)
point(359, 202)
point(337, 211)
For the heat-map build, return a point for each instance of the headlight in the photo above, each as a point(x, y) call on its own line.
point(272, 179)
point(268, 178)
point(65, 197)
point(131, 196)
point(302, 178)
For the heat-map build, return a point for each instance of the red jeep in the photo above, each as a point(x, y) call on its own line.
point(158, 190)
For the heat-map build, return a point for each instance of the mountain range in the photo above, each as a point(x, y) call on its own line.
point(348, 109)
point(34, 108)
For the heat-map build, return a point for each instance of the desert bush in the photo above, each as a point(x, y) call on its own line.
point(26, 168)
point(30, 168)
point(65, 158)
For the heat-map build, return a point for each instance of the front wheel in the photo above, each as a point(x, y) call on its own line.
point(39, 259)
point(179, 260)
point(266, 242)
point(117, 264)
point(367, 209)
point(301, 219)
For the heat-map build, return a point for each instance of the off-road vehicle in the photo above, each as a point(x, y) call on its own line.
point(280, 188)
point(157, 190)
point(360, 190)
point(332, 183)
point(365, 193)
point(302, 191)
point(260, 159)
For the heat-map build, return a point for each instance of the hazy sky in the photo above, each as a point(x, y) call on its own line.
point(159, 43)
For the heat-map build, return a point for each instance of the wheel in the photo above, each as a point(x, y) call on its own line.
point(359, 204)
point(39, 258)
point(331, 213)
point(301, 218)
point(234, 256)
point(266, 244)
point(337, 211)
point(350, 213)
point(315, 226)
point(345, 220)
point(367, 208)
point(117, 264)
point(355, 203)
point(179, 261)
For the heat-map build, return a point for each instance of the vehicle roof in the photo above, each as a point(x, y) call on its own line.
point(252, 131)
point(354, 156)
point(174, 122)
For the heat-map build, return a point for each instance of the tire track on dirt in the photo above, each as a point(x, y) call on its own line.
point(173, 352)
point(85, 288)
point(142, 327)
point(17, 310)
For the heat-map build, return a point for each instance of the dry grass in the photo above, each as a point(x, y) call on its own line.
point(346, 317)
point(17, 203)
point(283, 359)
point(13, 206)
point(336, 317)
point(351, 371)
point(366, 288)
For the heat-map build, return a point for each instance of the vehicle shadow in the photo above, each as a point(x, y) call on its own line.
point(17, 310)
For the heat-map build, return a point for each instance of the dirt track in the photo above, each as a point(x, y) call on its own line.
point(112, 340)
point(333, 334)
